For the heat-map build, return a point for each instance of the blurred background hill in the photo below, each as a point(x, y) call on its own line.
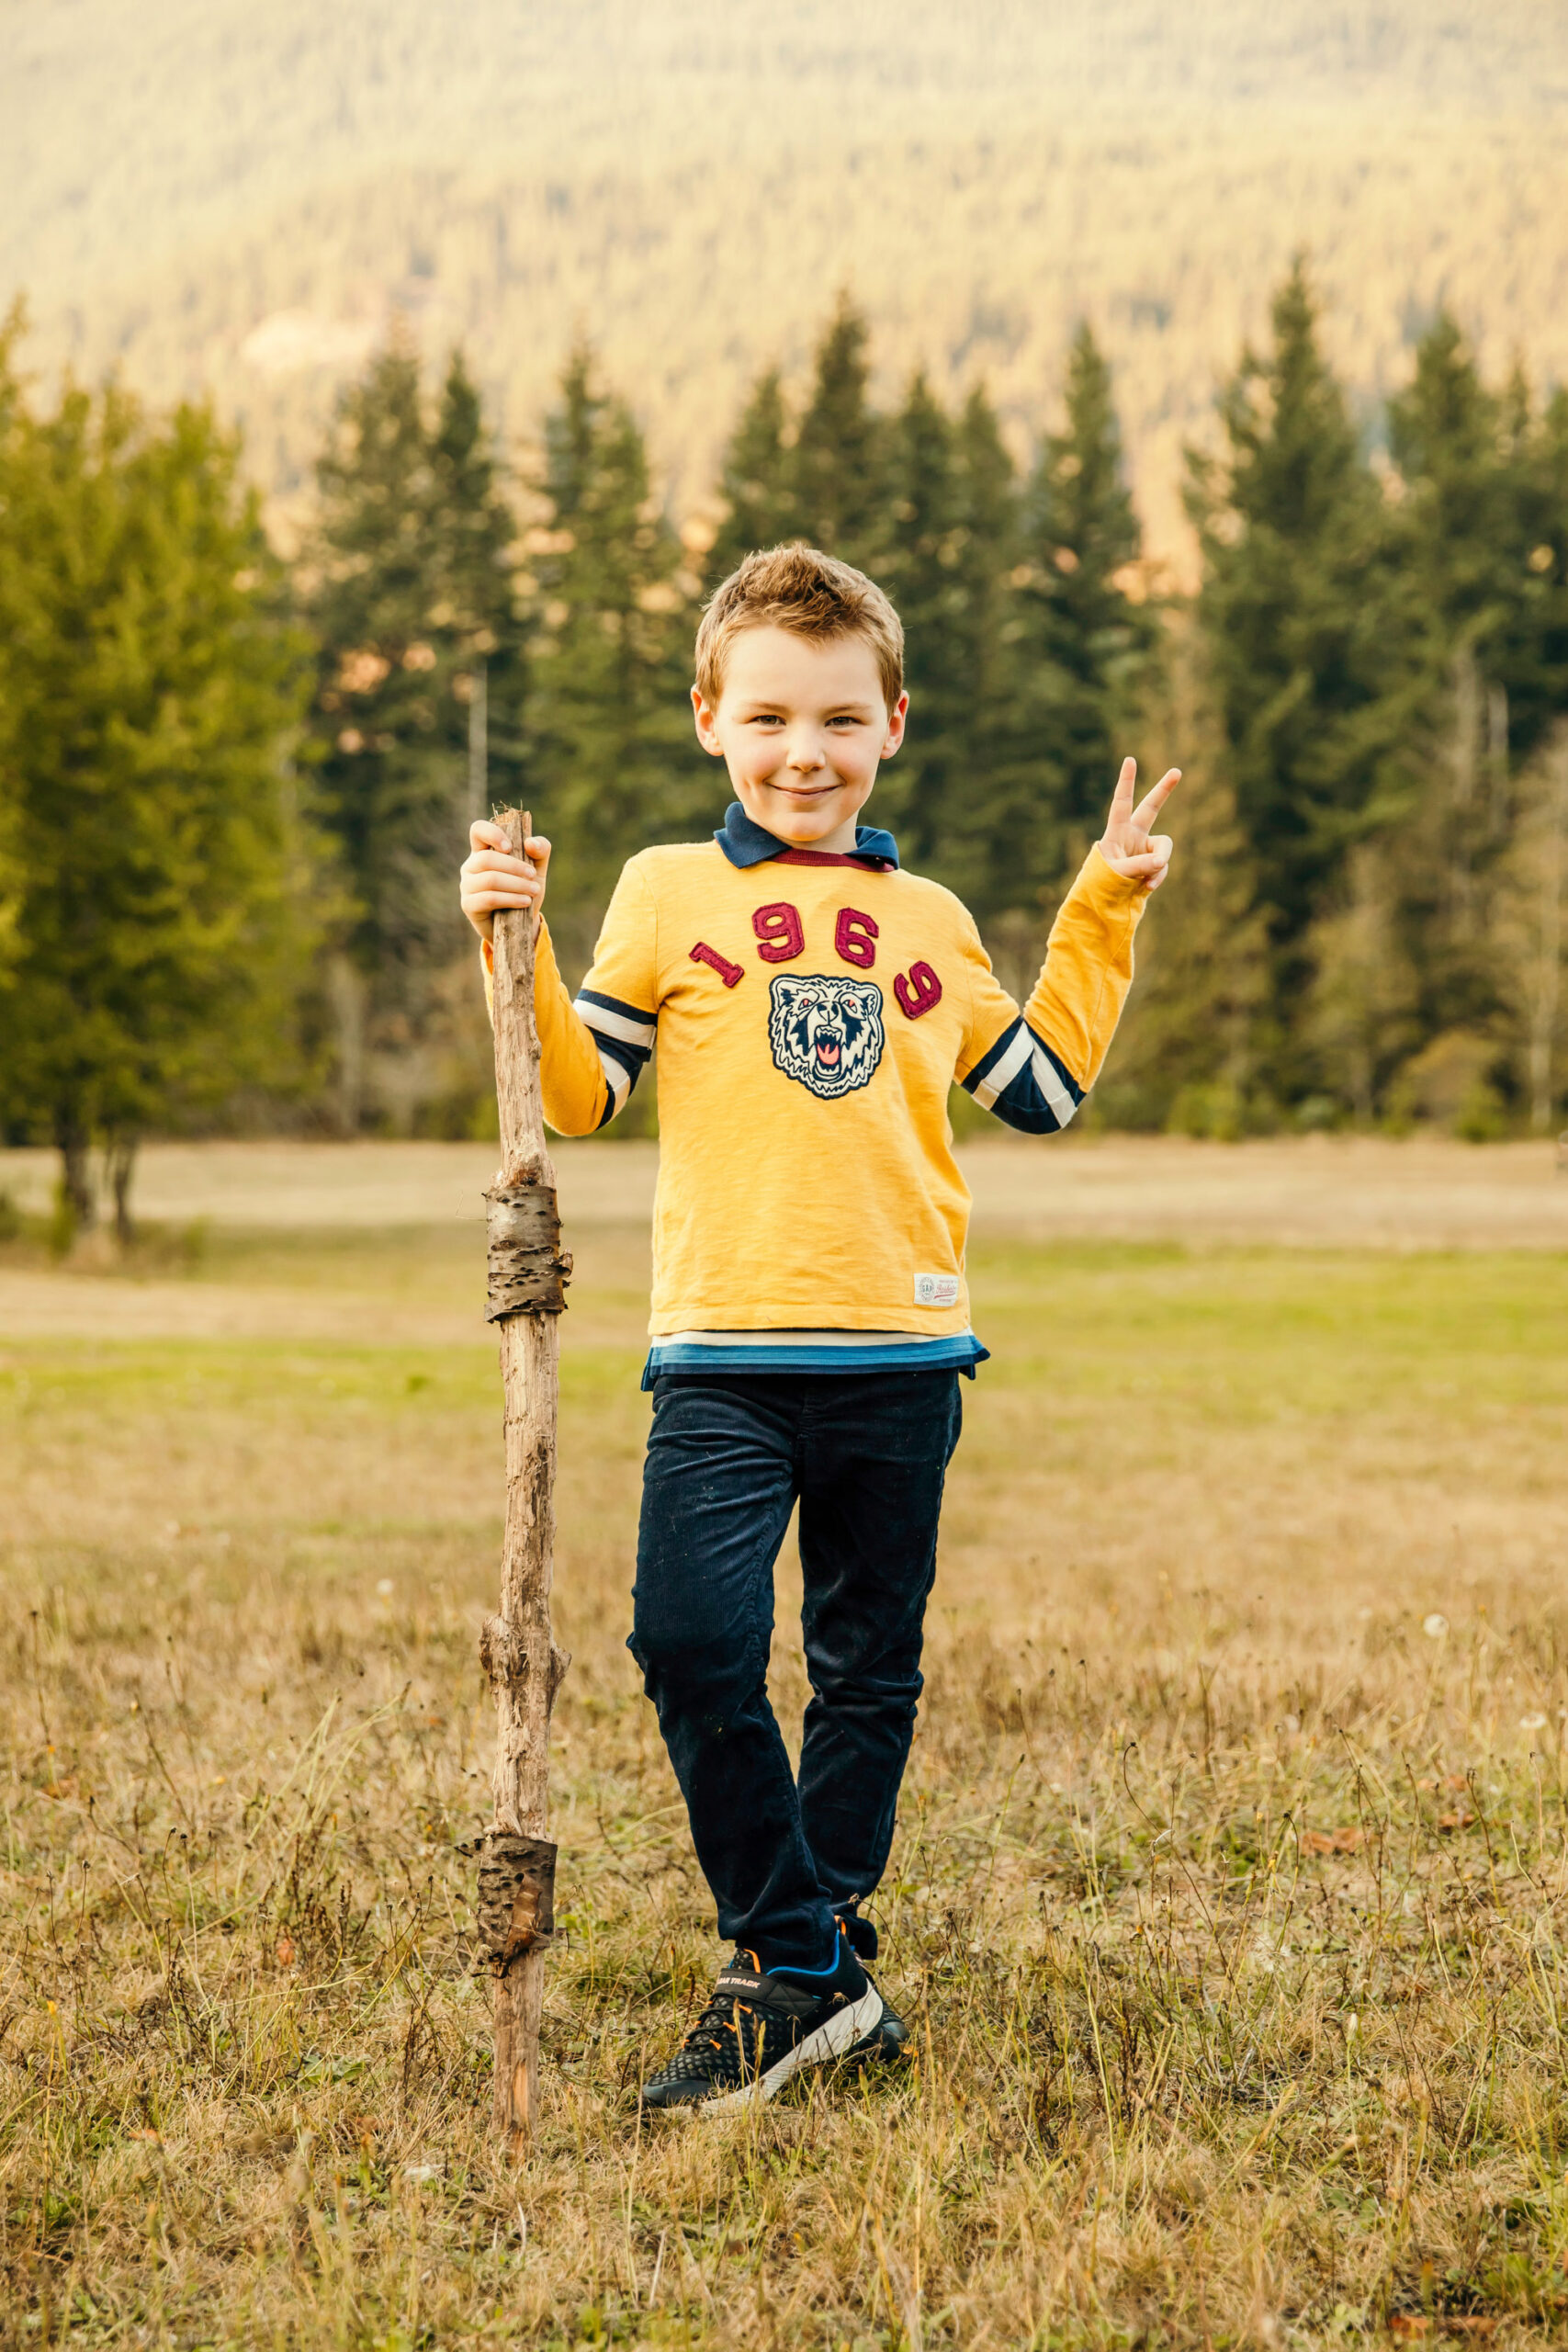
point(218, 197)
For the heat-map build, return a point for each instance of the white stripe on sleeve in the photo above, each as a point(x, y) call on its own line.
point(1048, 1078)
point(1002, 1074)
point(616, 1024)
point(618, 1078)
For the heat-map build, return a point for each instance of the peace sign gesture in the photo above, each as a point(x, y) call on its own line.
point(1127, 845)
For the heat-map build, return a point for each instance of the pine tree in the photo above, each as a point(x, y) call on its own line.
point(1192, 1046)
point(1069, 648)
point(1531, 931)
point(1459, 531)
point(1469, 688)
point(413, 593)
point(1546, 699)
point(1088, 635)
point(1459, 580)
point(952, 516)
point(150, 697)
point(925, 535)
point(1006, 821)
point(473, 525)
point(839, 491)
point(11, 875)
point(755, 482)
point(1294, 610)
point(612, 764)
point(1363, 1014)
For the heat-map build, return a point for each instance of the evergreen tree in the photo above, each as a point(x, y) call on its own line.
point(755, 482)
point(1464, 530)
point(1547, 567)
point(925, 532)
point(150, 699)
point(1458, 578)
point(1086, 638)
point(11, 877)
point(1293, 611)
point(611, 763)
point(838, 491)
point(1067, 645)
point(1531, 931)
point(1469, 686)
point(953, 517)
point(1006, 821)
point(1188, 1053)
point(1363, 1014)
point(413, 593)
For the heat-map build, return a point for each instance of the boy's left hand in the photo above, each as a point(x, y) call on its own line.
point(1127, 845)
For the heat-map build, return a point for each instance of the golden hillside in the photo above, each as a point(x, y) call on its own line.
point(213, 195)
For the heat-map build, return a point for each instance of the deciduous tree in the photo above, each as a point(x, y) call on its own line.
point(150, 697)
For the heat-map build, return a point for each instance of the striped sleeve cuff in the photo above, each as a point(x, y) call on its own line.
point(1022, 1081)
point(623, 1034)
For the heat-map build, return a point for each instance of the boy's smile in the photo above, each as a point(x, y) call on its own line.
point(801, 725)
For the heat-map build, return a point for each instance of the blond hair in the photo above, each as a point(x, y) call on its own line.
point(811, 595)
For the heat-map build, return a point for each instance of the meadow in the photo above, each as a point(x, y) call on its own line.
point(1230, 1896)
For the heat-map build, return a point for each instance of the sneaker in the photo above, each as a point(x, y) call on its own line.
point(890, 2037)
point(759, 2030)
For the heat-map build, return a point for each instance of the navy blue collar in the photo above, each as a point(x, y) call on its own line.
point(745, 842)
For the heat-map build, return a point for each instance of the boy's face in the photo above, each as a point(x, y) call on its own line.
point(802, 726)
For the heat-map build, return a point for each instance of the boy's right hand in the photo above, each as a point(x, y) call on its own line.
point(492, 879)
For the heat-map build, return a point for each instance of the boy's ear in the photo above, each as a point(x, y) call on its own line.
point(896, 719)
point(704, 724)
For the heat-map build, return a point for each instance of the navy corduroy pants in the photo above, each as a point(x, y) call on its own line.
point(729, 1454)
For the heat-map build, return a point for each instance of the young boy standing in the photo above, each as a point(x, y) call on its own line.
point(812, 1004)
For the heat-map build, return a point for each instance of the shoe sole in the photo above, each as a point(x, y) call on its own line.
point(837, 2039)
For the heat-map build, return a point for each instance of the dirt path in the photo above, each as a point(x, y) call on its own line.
point(1319, 1192)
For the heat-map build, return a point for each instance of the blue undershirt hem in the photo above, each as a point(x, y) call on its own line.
point(961, 1352)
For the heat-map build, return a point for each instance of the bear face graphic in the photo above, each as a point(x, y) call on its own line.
point(825, 1031)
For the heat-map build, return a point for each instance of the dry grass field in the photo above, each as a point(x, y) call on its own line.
point(1231, 1892)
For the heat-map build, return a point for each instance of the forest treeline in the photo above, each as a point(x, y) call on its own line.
point(234, 792)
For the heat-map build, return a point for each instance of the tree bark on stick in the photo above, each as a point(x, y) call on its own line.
point(527, 1273)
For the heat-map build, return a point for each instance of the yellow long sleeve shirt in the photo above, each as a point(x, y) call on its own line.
point(810, 1012)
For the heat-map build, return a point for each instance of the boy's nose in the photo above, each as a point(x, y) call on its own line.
point(805, 757)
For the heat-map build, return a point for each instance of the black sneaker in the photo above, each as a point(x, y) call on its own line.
point(890, 2037)
point(758, 2030)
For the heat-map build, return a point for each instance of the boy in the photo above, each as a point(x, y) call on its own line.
point(812, 1004)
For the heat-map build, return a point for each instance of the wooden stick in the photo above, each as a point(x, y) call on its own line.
point(527, 1273)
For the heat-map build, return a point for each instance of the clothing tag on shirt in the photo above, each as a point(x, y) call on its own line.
point(936, 1290)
